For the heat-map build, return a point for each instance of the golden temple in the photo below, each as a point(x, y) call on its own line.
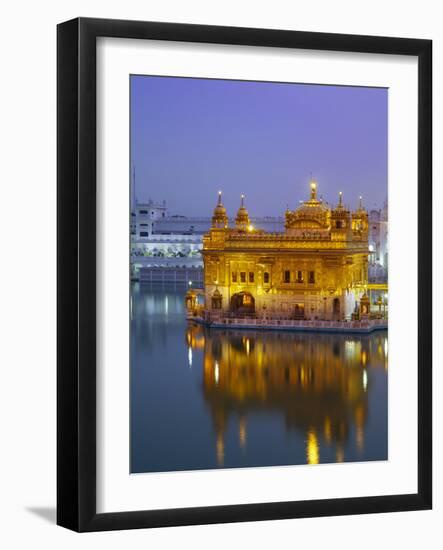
point(317, 269)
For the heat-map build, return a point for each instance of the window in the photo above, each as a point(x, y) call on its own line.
point(143, 211)
point(287, 276)
point(251, 276)
point(242, 277)
point(266, 278)
point(143, 225)
point(144, 234)
point(311, 277)
point(338, 224)
point(234, 276)
point(299, 276)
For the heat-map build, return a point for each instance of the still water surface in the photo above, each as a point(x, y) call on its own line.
point(209, 398)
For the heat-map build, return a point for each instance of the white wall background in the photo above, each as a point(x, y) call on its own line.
point(27, 274)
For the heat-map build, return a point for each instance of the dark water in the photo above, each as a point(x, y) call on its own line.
point(204, 398)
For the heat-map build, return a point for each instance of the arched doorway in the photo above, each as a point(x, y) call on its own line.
point(299, 311)
point(243, 303)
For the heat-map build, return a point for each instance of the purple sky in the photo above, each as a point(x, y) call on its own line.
point(192, 137)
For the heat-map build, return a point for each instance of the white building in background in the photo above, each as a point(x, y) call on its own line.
point(145, 217)
point(378, 244)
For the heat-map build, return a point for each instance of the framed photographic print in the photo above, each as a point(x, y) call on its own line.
point(244, 274)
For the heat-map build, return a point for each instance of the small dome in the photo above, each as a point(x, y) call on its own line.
point(242, 218)
point(220, 217)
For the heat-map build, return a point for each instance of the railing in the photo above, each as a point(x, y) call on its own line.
point(250, 321)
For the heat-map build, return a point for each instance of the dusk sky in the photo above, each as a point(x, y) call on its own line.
point(192, 137)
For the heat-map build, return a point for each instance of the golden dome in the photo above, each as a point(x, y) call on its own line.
point(220, 218)
point(360, 218)
point(311, 214)
point(242, 218)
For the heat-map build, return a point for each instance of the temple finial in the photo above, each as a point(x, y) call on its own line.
point(219, 197)
point(340, 198)
point(360, 202)
point(242, 200)
point(313, 185)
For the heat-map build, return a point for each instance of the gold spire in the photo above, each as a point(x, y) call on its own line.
point(242, 218)
point(340, 199)
point(313, 185)
point(360, 202)
point(220, 218)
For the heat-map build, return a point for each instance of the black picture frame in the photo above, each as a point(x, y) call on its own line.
point(76, 273)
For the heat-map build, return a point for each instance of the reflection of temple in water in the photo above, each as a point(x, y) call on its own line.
point(318, 383)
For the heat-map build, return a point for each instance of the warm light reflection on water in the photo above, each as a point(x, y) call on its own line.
point(251, 398)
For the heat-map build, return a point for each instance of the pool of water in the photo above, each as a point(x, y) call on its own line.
point(211, 398)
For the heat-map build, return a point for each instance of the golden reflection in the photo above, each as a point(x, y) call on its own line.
point(312, 448)
point(242, 433)
point(339, 454)
point(220, 450)
point(327, 429)
point(315, 383)
point(364, 358)
point(360, 418)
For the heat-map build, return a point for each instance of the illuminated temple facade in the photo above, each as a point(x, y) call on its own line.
point(317, 269)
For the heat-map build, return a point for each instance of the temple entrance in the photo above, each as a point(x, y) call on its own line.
point(243, 303)
point(336, 308)
point(299, 311)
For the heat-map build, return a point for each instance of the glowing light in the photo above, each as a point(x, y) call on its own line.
point(386, 346)
point(190, 357)
point(312, 448)
point(314, 186)
point(365, 380)
point(216, 372)
point(190, 283)
point(250, 227)
point(371, 248)
point(248, 349)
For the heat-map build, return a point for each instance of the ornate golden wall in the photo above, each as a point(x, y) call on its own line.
point(317, 268)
